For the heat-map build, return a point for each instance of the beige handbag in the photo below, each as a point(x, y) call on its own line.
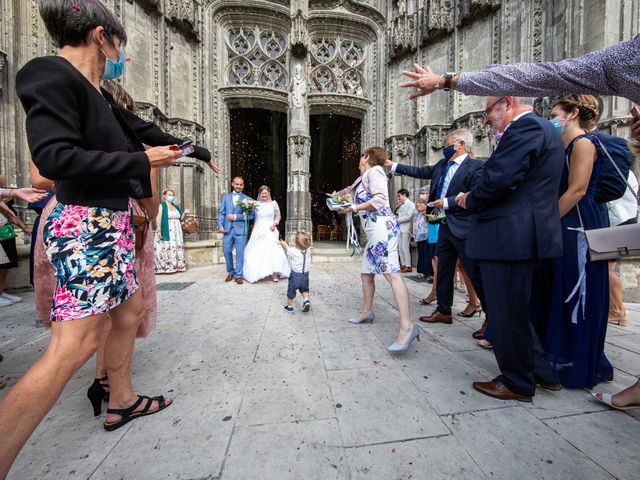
point(613, 243)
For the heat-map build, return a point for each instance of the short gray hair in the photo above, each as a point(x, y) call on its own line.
point(462, 135)
point(69, 21)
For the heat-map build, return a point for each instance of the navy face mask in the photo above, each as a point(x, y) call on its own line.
point(449, 151)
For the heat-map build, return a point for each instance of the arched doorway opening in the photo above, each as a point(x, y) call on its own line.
point(258, 140)
point(335, 150)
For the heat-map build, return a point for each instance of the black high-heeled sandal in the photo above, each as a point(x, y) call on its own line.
point(466, 314)
point(128, 414)
point(98, 392)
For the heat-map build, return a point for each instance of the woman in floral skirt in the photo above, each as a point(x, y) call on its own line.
point(370, 192)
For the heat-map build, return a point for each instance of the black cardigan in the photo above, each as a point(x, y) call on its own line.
point(77, 137)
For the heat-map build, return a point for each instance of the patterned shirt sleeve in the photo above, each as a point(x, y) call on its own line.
point(612, 71)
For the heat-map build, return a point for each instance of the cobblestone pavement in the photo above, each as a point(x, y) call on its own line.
point(263, 394)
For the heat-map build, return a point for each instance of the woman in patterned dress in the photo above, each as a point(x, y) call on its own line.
point(371, 195)
point(169, 238)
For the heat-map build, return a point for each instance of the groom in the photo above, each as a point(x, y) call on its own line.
point(231, 223)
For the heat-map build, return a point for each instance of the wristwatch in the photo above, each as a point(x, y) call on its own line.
point(447, 80)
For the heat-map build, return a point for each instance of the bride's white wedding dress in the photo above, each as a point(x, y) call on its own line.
point(263, 255)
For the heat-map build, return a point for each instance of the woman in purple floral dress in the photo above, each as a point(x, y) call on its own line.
point(371, 194)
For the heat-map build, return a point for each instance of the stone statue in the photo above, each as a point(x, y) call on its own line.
point(402, 6)
point(298, 96)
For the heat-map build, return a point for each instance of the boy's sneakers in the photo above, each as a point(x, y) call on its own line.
point(306, 306)
point(4, 302)
point(289, 309)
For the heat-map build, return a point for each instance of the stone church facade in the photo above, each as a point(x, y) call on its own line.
point(195, 61)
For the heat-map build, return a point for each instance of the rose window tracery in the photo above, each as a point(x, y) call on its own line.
point(257, 58)
point(337, 66)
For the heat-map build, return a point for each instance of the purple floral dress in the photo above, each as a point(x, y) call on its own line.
point(383, 230)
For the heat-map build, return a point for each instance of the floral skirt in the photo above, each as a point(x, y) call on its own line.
point(381, 252)
point(92, 252)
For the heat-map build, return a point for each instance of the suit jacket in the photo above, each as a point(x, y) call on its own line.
point(79, 138)
point(227, 207)
point(458, 219)
point(515, 198)
point(405, 215)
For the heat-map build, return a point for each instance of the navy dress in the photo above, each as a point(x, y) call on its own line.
point(573, 332)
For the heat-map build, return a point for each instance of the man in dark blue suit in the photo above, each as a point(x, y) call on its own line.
point(450, 176)
point(516, 223)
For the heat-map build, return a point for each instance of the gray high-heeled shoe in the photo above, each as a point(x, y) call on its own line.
point(369, 318)
point(401, 347)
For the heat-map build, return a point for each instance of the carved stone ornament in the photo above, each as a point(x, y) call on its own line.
point(337, 66)
point(403, 34)
point(257, 58)
point(3, 73)
point(183, 14)
point(470, 10)
point(402, 148)
point(299, 35)
point(473, 121)
point(435, 135)
point(438, 18)
point(150, 4)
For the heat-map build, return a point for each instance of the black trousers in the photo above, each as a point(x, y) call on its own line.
point(449, 249)
point(518, 350)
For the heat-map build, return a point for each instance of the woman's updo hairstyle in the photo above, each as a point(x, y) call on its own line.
point(70, 21)
point(376, 156)
point(587, 106)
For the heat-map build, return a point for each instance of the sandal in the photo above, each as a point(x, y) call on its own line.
point(479, 334)
point(607, 399)
point(470, 311)
point(428, 301)
point(129, 414)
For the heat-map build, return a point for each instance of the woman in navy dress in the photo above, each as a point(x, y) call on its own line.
point(575, 327)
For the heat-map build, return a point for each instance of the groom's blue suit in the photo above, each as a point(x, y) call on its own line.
point(233, 232)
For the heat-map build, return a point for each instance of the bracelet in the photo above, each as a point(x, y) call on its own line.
point(437, 85)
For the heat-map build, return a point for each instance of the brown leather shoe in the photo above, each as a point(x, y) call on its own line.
point(406, 269)
point(496, 389)
point(437, 317)
point(229, 278)
point(239, 281)
point(554, 387)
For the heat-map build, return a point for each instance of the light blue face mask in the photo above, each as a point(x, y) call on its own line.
point(559, 126)
point(113, 69)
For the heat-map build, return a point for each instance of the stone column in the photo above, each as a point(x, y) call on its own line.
point(299, 139)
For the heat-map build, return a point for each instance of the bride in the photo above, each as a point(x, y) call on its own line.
point(263, 255)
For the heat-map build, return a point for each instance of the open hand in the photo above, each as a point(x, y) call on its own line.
point(29, 194)
point(423, 79)
point(214, 167)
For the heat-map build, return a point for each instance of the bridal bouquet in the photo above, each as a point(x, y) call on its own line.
point(338, 202)
point(247, 206)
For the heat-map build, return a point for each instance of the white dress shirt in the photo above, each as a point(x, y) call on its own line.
point(447, 180)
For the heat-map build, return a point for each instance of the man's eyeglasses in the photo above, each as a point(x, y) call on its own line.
point(489, 109)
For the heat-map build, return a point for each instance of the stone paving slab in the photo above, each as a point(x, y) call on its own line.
point(260, 394)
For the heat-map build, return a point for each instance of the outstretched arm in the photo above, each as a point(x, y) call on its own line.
point(604, 72)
